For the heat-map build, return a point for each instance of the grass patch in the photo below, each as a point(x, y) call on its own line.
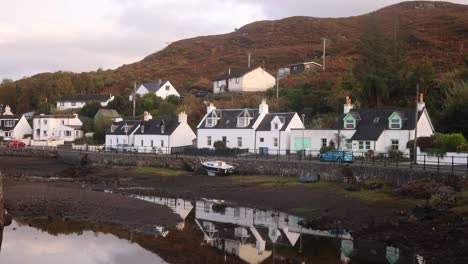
point(462, 203)
point(159, 171)
point(381, 197)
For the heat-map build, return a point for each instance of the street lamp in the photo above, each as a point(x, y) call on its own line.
point(303, 128)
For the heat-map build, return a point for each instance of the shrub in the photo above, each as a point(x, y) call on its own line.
point(449, 142)
point(218, 145)
point(443, 199)
point(420, 189)
point(394, 153)
point(326, 149)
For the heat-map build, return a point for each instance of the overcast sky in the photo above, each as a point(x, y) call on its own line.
point(70, 35)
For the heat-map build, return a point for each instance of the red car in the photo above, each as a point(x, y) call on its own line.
point(15, 144)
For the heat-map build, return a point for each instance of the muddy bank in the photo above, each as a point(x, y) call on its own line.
point(442, 239)
point(37, 199)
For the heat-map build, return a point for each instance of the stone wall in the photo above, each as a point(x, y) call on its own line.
point(28, 152)
point(283, 168)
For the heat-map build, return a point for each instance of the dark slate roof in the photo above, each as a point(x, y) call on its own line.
point(372, 122)
point(153, 127)
point(234, 74)
point(228, 118)
point(119, 127)
point(85, 98)
point(265, 125)
point(154, 86)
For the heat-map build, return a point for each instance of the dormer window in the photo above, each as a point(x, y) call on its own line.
point(395, 122)
point(349, 122)
point(276, 126)
point(243, 120)
point(210, 121)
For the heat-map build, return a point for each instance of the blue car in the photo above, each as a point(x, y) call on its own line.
point(337, 155)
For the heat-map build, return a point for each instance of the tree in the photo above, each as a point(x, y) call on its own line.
point(453, 118)
point(173, 100)
point(90, 109)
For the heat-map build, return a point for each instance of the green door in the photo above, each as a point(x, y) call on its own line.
point(298, 143)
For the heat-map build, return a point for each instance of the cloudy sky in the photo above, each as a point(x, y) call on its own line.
point(51, 35)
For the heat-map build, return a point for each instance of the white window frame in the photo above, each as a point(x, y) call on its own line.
point(361, 145)
point(275, 142)
point(168, 87)
point(368, 145)
point(8, 134)
point(276, 126)
point(68, 133)
point(210, 122)
point(262, 140)
point(8, 123)
point(162, 143)
point(239, 142)
point(208, 141)
point(350, 124)
point(395, 123)
point(62, 103)
point(324, 142)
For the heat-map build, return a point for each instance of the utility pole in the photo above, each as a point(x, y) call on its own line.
point(134, 98)
point(277, 86)
point(324, 52)
point(415, 146)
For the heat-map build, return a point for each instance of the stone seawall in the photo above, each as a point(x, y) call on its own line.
point(28, 152)
point(327, 171)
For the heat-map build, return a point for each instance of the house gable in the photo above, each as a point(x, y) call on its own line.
point(349, 122)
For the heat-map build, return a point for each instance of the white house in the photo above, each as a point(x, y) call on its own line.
point(362, 130)
point(54, 130)
point(273, 133)
point(13, 127)
point(78, 101)
point(247, 80)
point(156, 136)
point(161, 88)
point(254, 129)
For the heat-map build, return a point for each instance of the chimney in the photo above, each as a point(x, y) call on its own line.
point(210, 108)
point(348, 106)
point(163, 127)
point(7, 110)
point(159, 82)
point(421, 103)
point(147, 116)
point(263, 107)
point(229, 71)
point(182, 117)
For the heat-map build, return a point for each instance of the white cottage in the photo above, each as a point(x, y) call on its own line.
point(52, 130)
point(273, 133)
point(155, 136)
point(362, 130)
point(254, 129)
point(247, 80)
point(78, 101)
point(161, 88)
point(13, 127)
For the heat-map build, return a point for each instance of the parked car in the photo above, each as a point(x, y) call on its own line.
point(123, 148)
point(15, 144)
point(337, 155)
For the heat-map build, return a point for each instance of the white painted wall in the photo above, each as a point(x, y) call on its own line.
point(55, 127)
point(459, 159)
point(231, 135)
point(316, 136)
point(64, 105)
point(166, 90)
point(21, 129)
point(258, 80)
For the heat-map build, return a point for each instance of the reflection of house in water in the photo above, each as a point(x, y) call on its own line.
point(178, 206)
point(245, 231)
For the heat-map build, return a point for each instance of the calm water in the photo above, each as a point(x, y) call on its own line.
point(23, 244)
point(253, 235)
